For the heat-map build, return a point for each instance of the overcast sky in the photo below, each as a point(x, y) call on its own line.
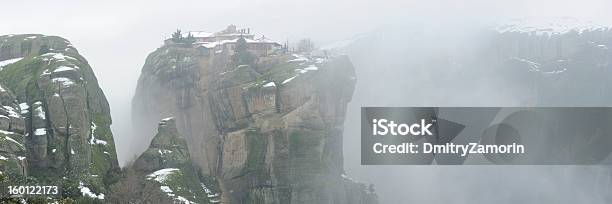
point(116, 36)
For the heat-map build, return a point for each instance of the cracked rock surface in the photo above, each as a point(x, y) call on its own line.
point(54, 119)
point(269, 131)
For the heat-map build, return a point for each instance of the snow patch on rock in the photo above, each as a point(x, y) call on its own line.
point(162, 174)
point(58, 57)
point(65, 68)
point(65, 82)
point(8, 62)
point(85, 191)
point(40, 131)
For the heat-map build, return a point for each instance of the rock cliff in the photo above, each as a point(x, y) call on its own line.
point(54, 119)
point(267, 127)
point(167, 164)
point(556, 60)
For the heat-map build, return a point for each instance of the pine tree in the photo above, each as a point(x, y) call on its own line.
point(242, 56)
point(177, 36)
point(241, 45)
point(190, 39)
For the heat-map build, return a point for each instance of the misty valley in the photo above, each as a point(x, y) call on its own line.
point(233, 116)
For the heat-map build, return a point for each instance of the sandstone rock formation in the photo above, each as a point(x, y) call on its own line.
point(270, 130)
point(54, 120)
point(167, 163)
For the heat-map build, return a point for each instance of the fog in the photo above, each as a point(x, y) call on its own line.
point(425, 66)
point(116, 37)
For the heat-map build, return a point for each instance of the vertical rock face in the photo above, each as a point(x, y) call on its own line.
point(12, 141)
point(555, 59)
point(270, 131)
point(167, 163)
point(167, 150)
point(55, 119)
